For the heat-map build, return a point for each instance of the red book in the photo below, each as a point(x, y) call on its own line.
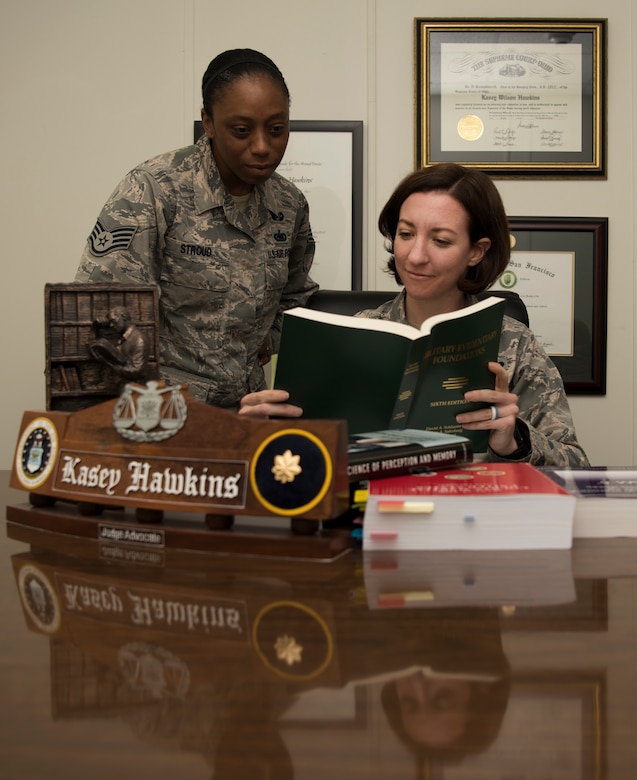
point(483, 506)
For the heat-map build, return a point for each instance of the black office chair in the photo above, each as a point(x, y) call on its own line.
point(352, 301)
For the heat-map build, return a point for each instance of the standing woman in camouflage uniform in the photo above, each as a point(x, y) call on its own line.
point(227, 239)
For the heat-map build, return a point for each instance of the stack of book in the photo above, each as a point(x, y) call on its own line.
point(482, 506)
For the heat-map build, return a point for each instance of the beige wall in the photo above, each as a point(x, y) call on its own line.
point(90, 89)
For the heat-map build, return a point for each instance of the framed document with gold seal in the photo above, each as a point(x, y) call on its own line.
point(513, 97)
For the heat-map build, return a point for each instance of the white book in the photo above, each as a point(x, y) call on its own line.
point(606, 500)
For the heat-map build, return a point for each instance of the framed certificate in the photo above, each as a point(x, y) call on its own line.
point(513, 97)
point(324, 158)
point(559, 267)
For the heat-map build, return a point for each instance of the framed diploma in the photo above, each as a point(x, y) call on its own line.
point(324, 158)
point(514, 97)
point(559, 267)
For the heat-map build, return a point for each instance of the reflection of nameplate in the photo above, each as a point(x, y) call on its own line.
point(156, 449)
point(171, 622)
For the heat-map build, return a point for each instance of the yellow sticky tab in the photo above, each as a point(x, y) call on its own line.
point(360, 496)
point(404, 599)
point(406, 507)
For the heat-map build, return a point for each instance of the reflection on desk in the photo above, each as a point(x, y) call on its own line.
point(121, 662)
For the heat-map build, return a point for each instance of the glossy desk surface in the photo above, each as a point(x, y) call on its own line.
point(117, 662)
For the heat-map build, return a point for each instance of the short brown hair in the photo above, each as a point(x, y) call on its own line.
point(478, 195)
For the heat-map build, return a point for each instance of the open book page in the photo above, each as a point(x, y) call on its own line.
point(388, 326)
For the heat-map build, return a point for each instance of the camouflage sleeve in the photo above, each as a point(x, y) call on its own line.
point(300, 286)
point(126, 244)
point(544, 407)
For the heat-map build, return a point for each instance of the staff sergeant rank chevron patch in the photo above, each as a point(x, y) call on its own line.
point(103, 241)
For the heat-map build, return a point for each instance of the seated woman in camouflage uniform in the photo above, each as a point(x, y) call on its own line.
point(448, 238)
point(227, 239)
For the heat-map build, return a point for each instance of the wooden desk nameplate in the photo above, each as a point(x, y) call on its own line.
point(138, 469)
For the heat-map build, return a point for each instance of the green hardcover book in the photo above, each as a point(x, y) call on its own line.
point(378, 374)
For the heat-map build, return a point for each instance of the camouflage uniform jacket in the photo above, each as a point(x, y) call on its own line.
point(533, 377)
point(225, 276)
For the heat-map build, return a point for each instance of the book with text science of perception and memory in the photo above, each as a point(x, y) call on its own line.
point(482, 506)
point(606, 499)
point(380, 454)
point(378, 374)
